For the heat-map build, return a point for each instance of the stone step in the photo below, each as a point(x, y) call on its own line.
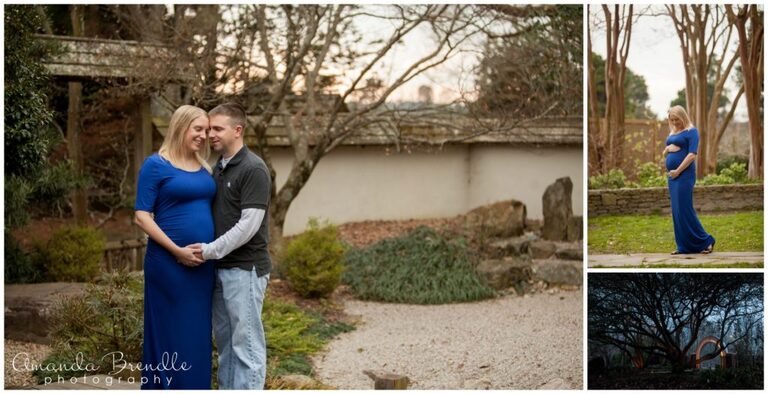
point(558, 272)
point(28, 308)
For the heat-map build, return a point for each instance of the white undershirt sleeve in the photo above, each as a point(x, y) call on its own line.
point(237, 236)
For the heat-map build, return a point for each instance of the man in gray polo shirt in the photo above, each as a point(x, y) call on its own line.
point(240, 250)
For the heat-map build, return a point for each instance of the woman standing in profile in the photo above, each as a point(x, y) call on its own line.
point(682, 147)
point(176, 186)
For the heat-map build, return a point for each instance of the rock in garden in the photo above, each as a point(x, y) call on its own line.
point(542, 249)
point(558, 272)
point(510, 247)
point(574, 232)
point(28, 308)
point(574, 252)
point(533, 225)
point(504, 273)
point(556, 203)
point(499, 220)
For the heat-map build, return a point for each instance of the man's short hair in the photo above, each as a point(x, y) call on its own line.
point(234, 111)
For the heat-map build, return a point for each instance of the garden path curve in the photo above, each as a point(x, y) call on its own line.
point(510, 342)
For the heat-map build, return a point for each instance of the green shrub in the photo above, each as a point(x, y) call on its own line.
point(17, 192)
point(737, 172)
point(312, 262)
point(421, 267)
point(73, 254)
point(108, 318)
point(713, 179)
point(20, 266)
point(292, 336)
point(734, 173)
point(614, 179)
point(53, 185)
point(729, 160)
point(650, 175)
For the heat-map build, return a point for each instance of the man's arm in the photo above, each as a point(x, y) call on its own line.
point(242, 232)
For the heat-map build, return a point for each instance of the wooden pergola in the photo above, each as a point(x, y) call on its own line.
point(82, 59)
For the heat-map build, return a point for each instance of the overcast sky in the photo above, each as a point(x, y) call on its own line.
point(655, 54)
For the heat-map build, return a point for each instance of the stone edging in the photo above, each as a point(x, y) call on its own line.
point(655, 200)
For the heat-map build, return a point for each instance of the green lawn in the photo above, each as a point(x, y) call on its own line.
point(734, 232)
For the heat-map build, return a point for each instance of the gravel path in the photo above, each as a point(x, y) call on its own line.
point(507, 343)
point(19, 376)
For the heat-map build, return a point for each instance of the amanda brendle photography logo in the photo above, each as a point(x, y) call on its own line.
point(80, 368)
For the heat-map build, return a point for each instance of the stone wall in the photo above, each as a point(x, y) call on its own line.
point(655, 200)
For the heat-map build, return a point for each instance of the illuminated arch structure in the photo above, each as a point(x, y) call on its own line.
point(727, 360)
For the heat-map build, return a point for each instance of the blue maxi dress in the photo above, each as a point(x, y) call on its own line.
point(690, 236)
point(177, 298)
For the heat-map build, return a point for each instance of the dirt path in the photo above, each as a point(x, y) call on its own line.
point(506, 343)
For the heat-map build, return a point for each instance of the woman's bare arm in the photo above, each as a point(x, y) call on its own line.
point(185, 255)
point(686, 162)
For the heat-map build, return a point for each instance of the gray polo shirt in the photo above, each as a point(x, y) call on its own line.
point(244, 183)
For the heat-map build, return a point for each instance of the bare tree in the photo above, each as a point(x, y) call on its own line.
point(608, 139)
point(284, 62)
point(663, 314)
point(702, 30)
point(752, 57)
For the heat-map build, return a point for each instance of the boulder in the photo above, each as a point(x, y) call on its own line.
point(570, 252)
point(575, 226)
point(504, 273)
point(28, 308)
point(556, 204)
point(533, 225)
point(509, 247)
point(542, 249)
point(558, 272)
point(500, 220)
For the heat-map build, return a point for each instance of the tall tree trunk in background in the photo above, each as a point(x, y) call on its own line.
point(752, 57)
point(618, 35)
point(595, 133)
point(702, 29)
point(74, 112)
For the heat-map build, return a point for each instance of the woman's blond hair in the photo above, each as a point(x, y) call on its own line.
point(679, 112)
point(172, 148)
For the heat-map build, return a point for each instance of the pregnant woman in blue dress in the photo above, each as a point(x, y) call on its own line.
point(175, 186)
point(682, 147)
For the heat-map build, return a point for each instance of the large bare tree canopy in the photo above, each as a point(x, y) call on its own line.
point(663, 314)
point(707, 42)
point(320, 72)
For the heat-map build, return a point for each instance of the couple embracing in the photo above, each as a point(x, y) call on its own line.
point(207, 264)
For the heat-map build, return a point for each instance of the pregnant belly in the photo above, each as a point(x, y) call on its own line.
point(188, 226)
point(675, 159)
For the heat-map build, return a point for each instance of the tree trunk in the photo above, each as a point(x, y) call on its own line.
point(700, 30)
point(617, 49)
point(74, 112)
point(751, 54)
point(594, 129)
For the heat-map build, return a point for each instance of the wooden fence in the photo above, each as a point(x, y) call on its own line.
point(127, 254)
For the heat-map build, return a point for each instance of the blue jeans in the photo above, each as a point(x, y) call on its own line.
point(238, 297)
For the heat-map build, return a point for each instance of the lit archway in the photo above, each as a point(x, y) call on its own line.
point(705, 341)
